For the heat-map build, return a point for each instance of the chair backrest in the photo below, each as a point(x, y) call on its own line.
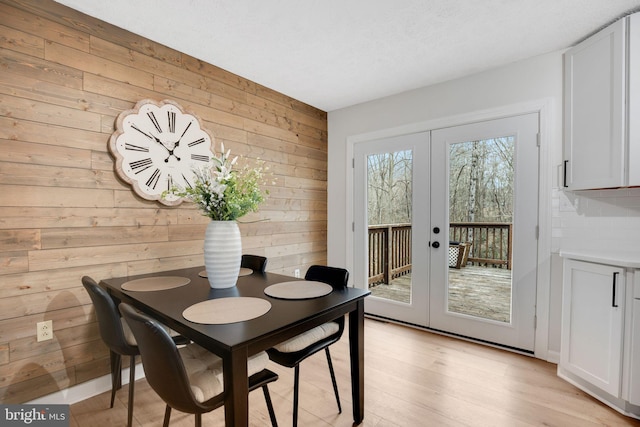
point(334, 276)
point(109, 321)
point(255, 262)
point(163, 365)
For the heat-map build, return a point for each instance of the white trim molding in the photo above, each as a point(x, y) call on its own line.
point(86, 390)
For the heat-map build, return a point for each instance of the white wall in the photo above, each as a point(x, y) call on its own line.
point(532, 81)
point(597, 220)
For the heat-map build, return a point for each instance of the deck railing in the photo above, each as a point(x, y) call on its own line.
point(389, 252)
point(491, 242)
point(390, 247)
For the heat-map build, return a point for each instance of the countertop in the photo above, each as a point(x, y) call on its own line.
point(619, 259)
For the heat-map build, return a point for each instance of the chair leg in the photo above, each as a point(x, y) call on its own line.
point(116, 372)
point(267, 398)
point(333, 379)
point(296, 383)
point(132, 382)
point(167, 416)
point(198, 420)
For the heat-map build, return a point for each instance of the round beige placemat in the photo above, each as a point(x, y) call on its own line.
point(160, 283)
point(243, 272)
point(226, 310)
point(298, 289)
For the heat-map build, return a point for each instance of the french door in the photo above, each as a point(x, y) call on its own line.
point(445, 226)
point(392, 195)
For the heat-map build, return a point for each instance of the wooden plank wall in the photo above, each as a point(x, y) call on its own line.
point(64, 78)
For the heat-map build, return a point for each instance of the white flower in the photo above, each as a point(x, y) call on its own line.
point(216, 187)
point(222, 193)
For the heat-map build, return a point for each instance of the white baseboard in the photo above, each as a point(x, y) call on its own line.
point(553, 356)
point(86, 389)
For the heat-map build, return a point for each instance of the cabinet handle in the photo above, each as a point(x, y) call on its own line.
point(564, 174)
point(613, 300)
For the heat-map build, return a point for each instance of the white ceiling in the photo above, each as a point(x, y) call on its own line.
point(336, 53)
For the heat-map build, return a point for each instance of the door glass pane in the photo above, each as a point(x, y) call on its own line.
point(389, 204)
point(481, 178)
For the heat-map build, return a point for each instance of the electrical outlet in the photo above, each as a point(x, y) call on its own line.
point(44, 330)
point(296, 273)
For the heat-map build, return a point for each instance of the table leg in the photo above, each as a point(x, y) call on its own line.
point(236, 386)
point(356, 350)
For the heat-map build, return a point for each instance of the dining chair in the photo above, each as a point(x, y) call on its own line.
point(255, 262)
point(190, 378)
point(117, 336)
point(115, 333)
point(293, 351)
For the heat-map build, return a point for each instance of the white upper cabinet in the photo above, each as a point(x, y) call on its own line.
point(633, 100)
point(602, 98)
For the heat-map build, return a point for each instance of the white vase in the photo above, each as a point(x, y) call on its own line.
point(222, 253)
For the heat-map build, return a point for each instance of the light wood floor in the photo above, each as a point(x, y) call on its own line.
point(412, 378)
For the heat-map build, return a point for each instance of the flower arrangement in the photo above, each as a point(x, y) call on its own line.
point(223, 193)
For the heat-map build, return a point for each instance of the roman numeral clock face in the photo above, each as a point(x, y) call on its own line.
point(157, 146)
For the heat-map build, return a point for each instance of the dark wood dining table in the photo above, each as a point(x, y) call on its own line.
point(235, 342)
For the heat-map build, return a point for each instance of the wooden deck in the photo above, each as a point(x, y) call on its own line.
point(478, 291)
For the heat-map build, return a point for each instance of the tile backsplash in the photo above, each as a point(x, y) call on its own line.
point(596, 220)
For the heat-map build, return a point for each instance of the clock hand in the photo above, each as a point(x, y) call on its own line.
point(160, 142)
point(150, 135)
point(171, 153)
point(175, 145)
point(166, 160)
point(169, 156)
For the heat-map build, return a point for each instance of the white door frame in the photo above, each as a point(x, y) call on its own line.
point(544, 108)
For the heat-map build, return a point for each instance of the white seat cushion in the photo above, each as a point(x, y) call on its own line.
point(204, 370)
point(128, 333)
point(131, 340)
point(305, 339)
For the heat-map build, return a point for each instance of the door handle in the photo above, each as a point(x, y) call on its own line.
point(613, 298)
point(435, 245)
point(564, 177)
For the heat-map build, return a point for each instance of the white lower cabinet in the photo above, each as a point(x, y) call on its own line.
point(599, 343)
point(634, 366)
point(592, 323)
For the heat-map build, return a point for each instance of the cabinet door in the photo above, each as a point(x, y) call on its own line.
point(634, 374)
point(594, 139)
point(592, 323)
point(633, 99)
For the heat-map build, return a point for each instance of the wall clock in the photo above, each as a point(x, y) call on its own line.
point(157, 145)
